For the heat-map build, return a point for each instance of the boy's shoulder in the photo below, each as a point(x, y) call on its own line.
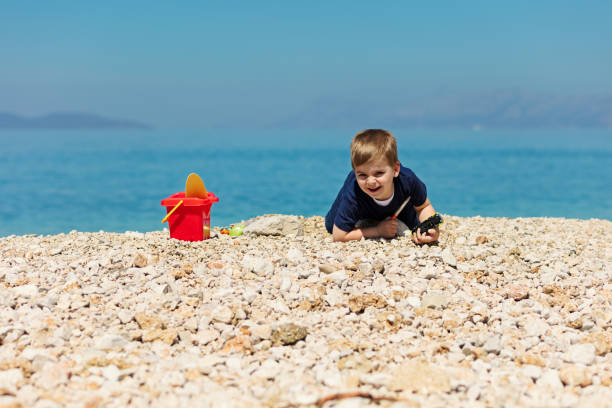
point(406, 173)
point(350, 184)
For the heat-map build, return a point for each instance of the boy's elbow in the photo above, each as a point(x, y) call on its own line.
point(338, 235)
point(339, 239)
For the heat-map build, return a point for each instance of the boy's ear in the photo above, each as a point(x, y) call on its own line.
point(396, 169)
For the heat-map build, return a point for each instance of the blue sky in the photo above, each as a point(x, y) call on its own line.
point(195, 64)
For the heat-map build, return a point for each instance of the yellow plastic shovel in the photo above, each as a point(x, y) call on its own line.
point(194, 187)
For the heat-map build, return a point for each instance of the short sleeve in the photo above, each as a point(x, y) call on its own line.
point(347, 215)
point(420, 192)
point(417, 189)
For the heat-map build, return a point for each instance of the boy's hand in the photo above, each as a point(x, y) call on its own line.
point(424, 211)
point(387, 228)
point(426, 237)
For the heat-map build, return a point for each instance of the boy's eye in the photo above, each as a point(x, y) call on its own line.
point(379, 173)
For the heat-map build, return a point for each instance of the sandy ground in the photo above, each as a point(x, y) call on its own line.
point(502, 312)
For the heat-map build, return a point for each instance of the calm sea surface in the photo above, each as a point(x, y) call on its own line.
point(57, 181)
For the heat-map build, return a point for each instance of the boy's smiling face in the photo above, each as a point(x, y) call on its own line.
point(375, 178)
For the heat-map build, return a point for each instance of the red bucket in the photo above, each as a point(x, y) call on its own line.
point(191, 220)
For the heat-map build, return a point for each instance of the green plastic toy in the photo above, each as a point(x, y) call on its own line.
point(236, 230)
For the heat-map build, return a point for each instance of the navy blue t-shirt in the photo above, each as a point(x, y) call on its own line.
point(352, 204)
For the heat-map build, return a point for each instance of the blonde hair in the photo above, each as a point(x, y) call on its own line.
point(373, 143)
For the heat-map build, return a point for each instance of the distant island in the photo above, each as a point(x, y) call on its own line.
point(68, 120)
point(497, 109)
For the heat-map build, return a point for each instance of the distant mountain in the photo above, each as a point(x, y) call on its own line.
point(69, 120)
point(511, 108)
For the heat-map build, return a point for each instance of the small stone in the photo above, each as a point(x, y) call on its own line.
point(449, 258)
point(493, 345)
point(429, 272)
point(327, 268)
point(269, 369)
point(8, 401)
point(27, 291)
point(517, 292)
point(186, 337)
point(580, 353)
point(434, 300)
point(280, 307)
point(532, 371)
point(287, 334)
point(135, 335)
point(53, 375)
point(233, 364)
point(358, 303)
point(222, 314)
point(420, 376)
point(284, 225)
point(168, 336)
point(536, 327)
point(532, 359)
point(111, 373)
point(602, 342)
point(575, 375)
point(173, 379)
point(304, 273)
point(451, 320)
point(48, 301)
point(357, 362)
point(205, 336)
point(473, 393)
point(9, 380)
point(574, 320)
point(140, 261)
point(30, 352)
point(338, 277)
point(162, 289)
point(295, 256)
point(587, 325)
point(125, 316)
point(259, 266)
point(413, 301)
point(238, 344)
point(148, 321)
point(378, 266)
point(111, 341)
point(550, 379)
point(262, 331)
point(179, 273)
point(365, 267)
point(285, 284)
point(481, 239)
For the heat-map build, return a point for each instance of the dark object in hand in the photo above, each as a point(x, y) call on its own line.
point(430, 223)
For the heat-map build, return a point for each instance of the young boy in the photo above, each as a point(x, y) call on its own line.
point(375, 190)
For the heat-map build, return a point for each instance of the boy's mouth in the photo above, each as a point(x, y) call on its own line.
point(374, 190)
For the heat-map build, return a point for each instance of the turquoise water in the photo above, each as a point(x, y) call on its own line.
point(56, 181)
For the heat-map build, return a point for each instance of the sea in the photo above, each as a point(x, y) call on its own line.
point(56, 181)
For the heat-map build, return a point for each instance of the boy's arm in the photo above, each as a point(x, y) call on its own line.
point(424, 211)
point(385, 229)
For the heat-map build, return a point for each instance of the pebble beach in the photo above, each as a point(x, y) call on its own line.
point(500, 313)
